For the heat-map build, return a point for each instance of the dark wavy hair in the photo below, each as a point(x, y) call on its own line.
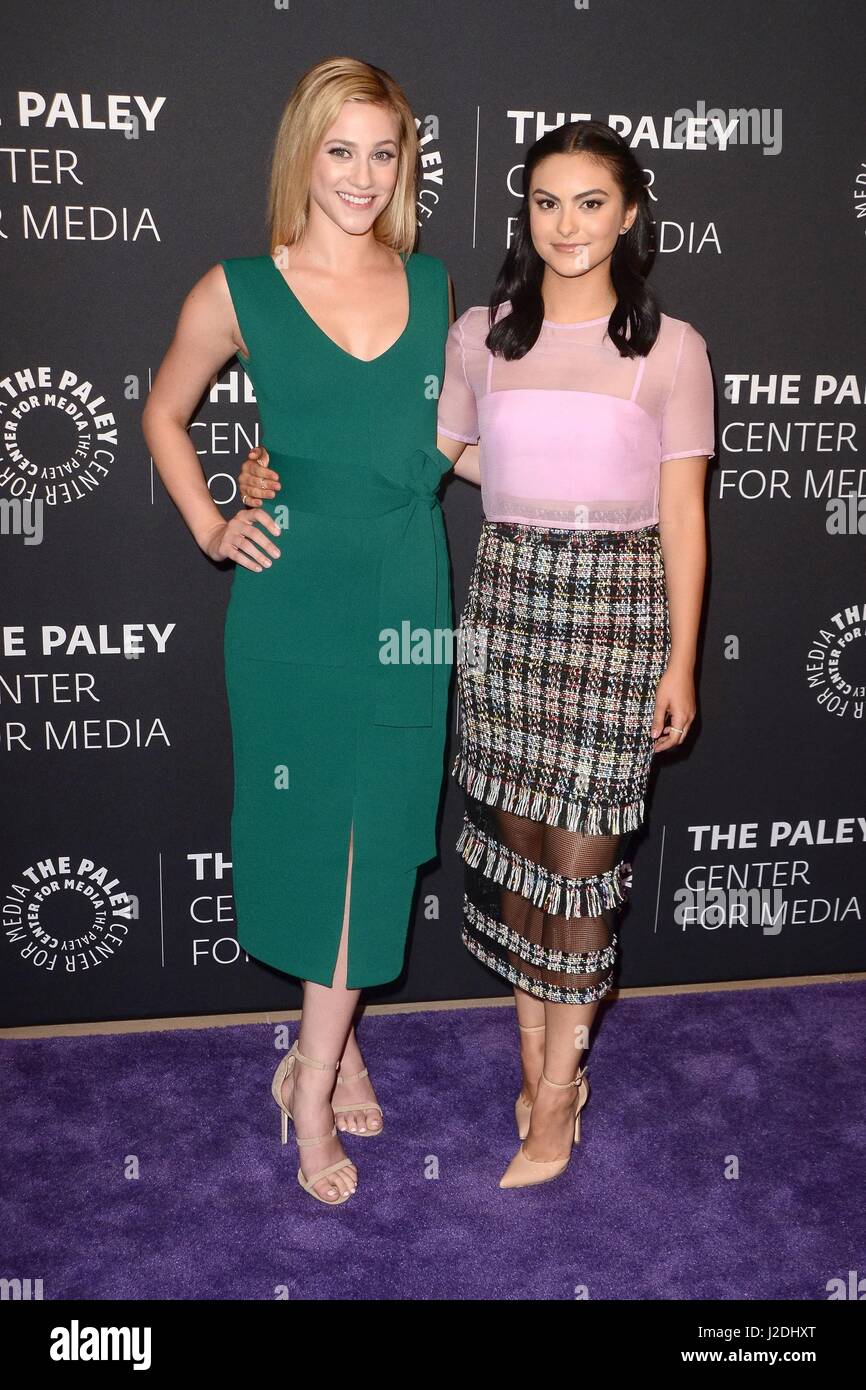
point(519, 278)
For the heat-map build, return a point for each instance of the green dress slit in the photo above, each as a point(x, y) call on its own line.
point(325, 735)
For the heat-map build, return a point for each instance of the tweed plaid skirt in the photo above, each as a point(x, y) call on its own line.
point(564, 637)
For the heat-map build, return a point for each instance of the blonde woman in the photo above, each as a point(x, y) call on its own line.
point(338, 756)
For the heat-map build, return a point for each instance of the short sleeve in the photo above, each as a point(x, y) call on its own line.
point(457, 412)
point(687, 422)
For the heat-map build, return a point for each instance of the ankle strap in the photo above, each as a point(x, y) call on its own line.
point(356, 1076)
point(312, 1062)
point(563, 1085)
point(319, 1140)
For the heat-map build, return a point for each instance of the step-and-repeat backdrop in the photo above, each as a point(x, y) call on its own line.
point(136, 140)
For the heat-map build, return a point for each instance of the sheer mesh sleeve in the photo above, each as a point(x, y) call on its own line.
point(687, 423)
point(457, 412)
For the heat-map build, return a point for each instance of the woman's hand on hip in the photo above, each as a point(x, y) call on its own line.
point(240, 540)
point(256, 478)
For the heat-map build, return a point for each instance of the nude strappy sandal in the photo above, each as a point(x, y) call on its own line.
point(284, 1070)
point(523, 1108)
point(524, 1171)
point(364, 1105)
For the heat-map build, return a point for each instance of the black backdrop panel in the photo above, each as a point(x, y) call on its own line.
point(114, 734)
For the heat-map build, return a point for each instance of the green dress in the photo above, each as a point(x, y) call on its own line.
point(326, 734)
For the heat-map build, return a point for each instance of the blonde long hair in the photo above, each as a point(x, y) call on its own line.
point(312, 107)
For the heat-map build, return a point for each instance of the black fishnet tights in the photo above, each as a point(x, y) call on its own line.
point(575, 855)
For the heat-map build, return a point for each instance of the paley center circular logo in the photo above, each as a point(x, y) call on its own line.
point(66, 915)
point(835, 663)
point(431, 169)
point(58, 432)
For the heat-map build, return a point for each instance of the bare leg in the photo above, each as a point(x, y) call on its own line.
point(325, 1023)
point(360, 1120)
point(530, 1014)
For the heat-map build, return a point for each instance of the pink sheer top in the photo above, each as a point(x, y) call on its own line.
point(572, 434)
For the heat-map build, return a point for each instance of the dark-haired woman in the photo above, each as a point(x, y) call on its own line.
point(595, 416)
point(594, 412)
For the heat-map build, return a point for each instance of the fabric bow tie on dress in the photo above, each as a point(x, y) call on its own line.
point(414, 582)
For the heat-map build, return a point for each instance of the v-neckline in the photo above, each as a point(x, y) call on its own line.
point(362, 361)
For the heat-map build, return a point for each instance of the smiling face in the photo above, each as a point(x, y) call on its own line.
point(576, 212)
point(354, 171)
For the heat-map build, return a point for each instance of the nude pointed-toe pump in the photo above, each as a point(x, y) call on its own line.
point(364, 1105)
point(284, 1070)
point(524, 1171)
point(523, 1108)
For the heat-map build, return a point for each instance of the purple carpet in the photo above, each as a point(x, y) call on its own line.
point(683, 1088)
